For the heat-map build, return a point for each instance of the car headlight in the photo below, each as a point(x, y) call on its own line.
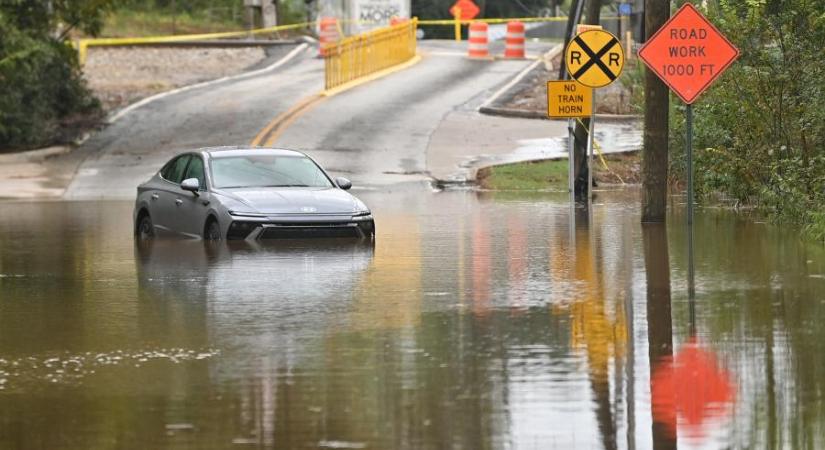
point(245, 214)
point(362, 215)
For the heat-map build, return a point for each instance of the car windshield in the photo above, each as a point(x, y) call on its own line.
point(267, 171)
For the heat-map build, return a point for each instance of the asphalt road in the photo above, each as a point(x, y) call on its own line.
point(127, 152)
point(379, 133)
point(376, 133)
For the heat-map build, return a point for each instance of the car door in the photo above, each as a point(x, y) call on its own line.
point(165, 213)
point(192, 209)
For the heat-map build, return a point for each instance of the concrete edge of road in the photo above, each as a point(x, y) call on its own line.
point(288, 57)
point(372, 77)
point(510, 85)
point(539, 115)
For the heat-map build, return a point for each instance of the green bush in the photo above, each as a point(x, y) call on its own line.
point(41, 88)
point(760, 130)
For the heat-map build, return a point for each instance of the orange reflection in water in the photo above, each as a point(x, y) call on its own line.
point(692, 387)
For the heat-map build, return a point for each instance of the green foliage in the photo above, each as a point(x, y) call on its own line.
point(633, 81)
point(41, 88)
point(40, 19)
point(161, 17)
point(229, 13)
point(760, 131)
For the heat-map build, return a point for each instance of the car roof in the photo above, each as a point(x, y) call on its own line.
point(220, 152)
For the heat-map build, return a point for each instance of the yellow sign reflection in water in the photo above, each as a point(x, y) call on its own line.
point(390, 294)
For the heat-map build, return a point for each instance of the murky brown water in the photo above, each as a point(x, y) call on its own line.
point(476, 322)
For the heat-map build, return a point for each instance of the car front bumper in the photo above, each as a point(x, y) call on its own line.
point(254, 228)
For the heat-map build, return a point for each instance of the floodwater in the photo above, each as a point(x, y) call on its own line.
point(477, 321)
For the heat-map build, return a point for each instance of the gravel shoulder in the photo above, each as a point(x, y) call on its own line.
point(119, 76)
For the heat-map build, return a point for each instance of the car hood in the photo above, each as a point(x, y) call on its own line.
point(293, 200)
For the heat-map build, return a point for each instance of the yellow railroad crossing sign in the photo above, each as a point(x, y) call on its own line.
point(568, 99)
point(594, 58)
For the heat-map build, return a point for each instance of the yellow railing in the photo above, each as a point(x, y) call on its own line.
point(361, 55)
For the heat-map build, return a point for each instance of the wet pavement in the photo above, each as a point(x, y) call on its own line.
point(476, 321)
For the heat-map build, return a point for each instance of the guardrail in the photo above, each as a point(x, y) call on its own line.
point(83, 45)
point(361, 55)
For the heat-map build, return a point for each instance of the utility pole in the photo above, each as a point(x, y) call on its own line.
point(657, 101)
point(581, 137)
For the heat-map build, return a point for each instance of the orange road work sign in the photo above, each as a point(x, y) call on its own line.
point(688, 53)
point(469, 10)
point(566, 99)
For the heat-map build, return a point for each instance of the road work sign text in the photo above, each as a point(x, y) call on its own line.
point(567, 99)
point(688, 53)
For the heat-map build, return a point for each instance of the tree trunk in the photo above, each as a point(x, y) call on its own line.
point(659, 319)
point(654, 152)
point(580, 166)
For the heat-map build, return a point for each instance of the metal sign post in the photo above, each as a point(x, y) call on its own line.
point(569, 99)
point(688, 53)
point(689, 152)
point(594, 58)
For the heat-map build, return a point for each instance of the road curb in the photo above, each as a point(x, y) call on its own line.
point(532, 114)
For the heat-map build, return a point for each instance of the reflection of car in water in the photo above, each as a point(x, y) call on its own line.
point(249, 193)
point(248, 279)
point(252, 300)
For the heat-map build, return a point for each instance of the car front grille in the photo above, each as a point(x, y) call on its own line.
point(306, 231)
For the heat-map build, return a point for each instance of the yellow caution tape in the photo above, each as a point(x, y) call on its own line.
point(599, 152)
point(83, 44)
point(502, 20)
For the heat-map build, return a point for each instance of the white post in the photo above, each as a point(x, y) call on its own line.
point(571, 137)
point(590, 150)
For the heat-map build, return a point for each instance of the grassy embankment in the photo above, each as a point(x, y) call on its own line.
point(131, 23)
point(552, 174)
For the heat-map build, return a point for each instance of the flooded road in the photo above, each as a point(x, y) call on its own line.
point(477, 321)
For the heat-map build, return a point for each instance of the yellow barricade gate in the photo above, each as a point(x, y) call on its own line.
point(361, 55)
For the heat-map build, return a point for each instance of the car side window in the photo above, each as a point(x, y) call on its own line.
point(195, 170)
point(174, 170)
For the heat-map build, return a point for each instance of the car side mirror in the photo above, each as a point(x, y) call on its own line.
point(191, 184)
point(343, 183)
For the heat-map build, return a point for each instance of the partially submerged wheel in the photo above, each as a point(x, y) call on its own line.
point(145, 230)
point(212, 231)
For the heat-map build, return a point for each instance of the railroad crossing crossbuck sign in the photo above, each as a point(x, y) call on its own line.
point(594, 58)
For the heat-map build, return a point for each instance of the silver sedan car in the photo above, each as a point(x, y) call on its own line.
point(249, 193)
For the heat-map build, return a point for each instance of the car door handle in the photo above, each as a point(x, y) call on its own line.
point(178, 201)
point(155, 196)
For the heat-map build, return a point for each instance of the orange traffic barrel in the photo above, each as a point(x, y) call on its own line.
point(327, 34)
point(395, 20)
point(514, 47)
point(478, 41)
